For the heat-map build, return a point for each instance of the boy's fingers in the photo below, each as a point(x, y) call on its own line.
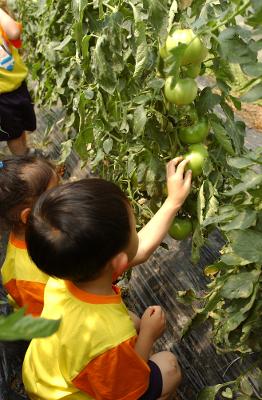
point(181, 168)
point(188, 177)
point(171, 165)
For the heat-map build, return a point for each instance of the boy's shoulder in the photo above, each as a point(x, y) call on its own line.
point(105, 318)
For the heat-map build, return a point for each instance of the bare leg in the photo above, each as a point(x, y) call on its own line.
point(171, 373)
point(135, 319)
point(18, 146)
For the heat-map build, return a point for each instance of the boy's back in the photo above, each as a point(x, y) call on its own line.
point(91, 354)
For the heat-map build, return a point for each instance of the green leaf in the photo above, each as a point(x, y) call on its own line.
point(140, 40)
point(78, 33)
point(235, 129)
point(82, 140)
point(234, 49)
point(242, 221)
point(207, 100)
point(103, 63)
point(240, 162)
point(197, 243)
point(156, 83)
point(256, 17)
point(209, 393)
point(66, 148)
point(158, 16)
point(233, 259)
point(16, 326)
point(140, 119)
point(85, 46)
point(255, 93)
point(63, 44)
point(228, 394)
point(240, 285)
point(186, 296)
point(222, 137)
point(252, 182)
point(246, 386)
point(108, 145)
point(252, 69)
point(78, 7)
point(226, 213)
point(247, 244)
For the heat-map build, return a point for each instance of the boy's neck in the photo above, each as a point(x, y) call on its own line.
point(19, 234)
point(99, 286)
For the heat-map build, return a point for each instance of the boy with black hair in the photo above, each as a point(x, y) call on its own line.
point(83, 233)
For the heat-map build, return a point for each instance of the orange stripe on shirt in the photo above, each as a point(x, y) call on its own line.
point(20, 244)
point(118, 374)
point(27, 294)
point(95, 298)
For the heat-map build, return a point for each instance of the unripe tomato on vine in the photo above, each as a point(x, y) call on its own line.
point(181, 228)
point(195, 51)
point(196, 155)
point(182, 92)
point(195, 133)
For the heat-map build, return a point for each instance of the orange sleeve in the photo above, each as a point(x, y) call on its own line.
point(118, 374)
point(27, 294)
point(16, 42)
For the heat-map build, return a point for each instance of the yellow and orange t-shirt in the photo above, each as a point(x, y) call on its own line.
point(23, 281)
point(91, 356)
point(12, 69)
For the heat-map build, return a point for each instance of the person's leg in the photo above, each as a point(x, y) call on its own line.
point(171, 373)
point(18, 146)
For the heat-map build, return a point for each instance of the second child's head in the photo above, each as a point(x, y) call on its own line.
point(22, 180)
point(78, 229)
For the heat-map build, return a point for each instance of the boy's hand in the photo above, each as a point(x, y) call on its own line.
point(178, 182)
point(153, 322)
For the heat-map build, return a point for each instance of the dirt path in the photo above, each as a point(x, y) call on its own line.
point(252, 115)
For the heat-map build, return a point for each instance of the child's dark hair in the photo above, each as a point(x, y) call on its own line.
point(76, 228)
point(22, 180)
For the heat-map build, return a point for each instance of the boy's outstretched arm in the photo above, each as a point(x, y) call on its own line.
point(178, 186)
point(10, 26)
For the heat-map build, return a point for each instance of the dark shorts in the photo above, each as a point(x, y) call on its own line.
point(16, 113)
point(155, 383)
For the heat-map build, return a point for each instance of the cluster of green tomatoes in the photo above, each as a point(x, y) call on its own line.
point(182, 91)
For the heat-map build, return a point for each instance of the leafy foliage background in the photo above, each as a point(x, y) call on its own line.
point(99, 61)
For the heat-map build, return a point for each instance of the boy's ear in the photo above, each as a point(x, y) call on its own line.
point(120, 261)
point(24, 215)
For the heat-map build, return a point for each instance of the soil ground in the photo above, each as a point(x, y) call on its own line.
point(252, 115)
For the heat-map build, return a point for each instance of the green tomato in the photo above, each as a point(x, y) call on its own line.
point(187, 115)
point(180, 228)
point(194, 133)
point(195, 52)
point(182, 92)
point(196, 156)
point(193, 70)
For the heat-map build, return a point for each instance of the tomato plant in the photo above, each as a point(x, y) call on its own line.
point(195, 51)
point(180, 92)
point(100, 60)
point(194, 133)
point(181, 228)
